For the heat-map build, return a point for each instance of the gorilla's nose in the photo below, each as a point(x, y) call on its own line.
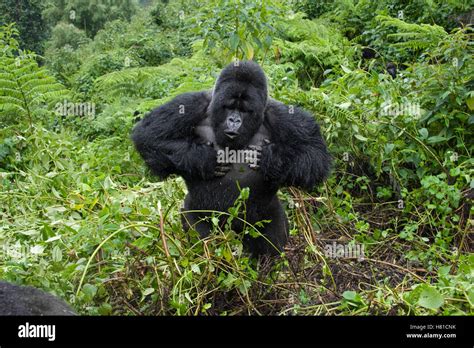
point(233, 123)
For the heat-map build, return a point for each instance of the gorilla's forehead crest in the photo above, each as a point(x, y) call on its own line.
point(242, 77)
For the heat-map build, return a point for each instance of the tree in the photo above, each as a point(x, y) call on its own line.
point(88, 15)
point(27, 14)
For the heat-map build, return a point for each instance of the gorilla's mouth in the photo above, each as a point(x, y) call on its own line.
point(231, 134)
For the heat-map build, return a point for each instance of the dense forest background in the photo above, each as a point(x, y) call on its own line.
point(390, 82)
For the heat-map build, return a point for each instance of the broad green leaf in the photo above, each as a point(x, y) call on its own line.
point(234, 41)
point(89, 291)
point(361, 137)
point(470, 103)
point(345, 69)
point(195, 268)
point(57, 254)
point(423, 132)
point(351, 295)
point(148, 291)
point(436, 139)
point(430, 297)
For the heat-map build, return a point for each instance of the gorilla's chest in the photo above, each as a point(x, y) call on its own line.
point(239, 159)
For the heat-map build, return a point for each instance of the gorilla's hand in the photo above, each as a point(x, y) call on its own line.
point(254, 158)
point(211, 168)
point(273, 164)
point(219, 169)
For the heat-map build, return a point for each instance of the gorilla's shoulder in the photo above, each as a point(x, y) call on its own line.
point(207, 94)
point(196, 100)
point(280, 115)
point(191, 105)
point(274, 112)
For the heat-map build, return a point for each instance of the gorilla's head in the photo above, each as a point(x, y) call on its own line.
point(238, 103)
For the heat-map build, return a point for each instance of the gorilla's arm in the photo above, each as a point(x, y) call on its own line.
point(167, 142)
point(297, 155)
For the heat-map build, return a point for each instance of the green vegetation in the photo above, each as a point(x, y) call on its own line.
point(81, 216)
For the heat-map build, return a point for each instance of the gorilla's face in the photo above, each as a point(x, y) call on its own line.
point(236, 121)
point(238, 104)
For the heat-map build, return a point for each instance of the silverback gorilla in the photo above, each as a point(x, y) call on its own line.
point(26, 300)
point(193, 135)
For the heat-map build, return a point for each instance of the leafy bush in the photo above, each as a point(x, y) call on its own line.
point(89, 16)
point(241, 30)
point(313, 47)
point(24, 86)
point(67, 34)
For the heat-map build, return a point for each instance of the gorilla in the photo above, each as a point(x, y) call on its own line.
point(26, 300)
point(233, 137)
point(391, 69)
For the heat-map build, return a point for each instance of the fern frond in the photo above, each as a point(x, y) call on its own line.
point(127, 82)
point(24, 86)
point(414, 36)
point(153, 82)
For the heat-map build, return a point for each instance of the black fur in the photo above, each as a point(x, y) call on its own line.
point(368, 53)
point(22, 300)
point(290, 147)
point(391, 69)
